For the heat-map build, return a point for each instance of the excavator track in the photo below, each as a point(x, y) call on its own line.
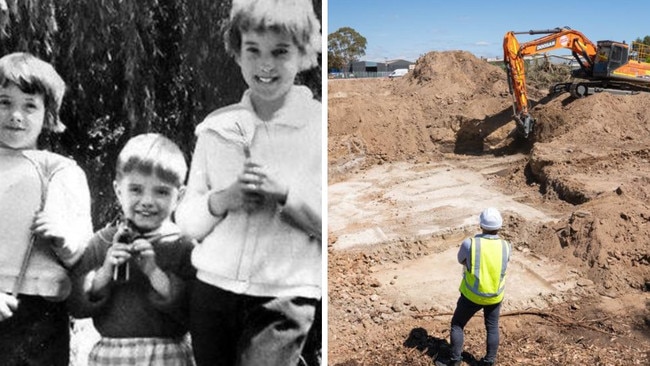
point(581, 89)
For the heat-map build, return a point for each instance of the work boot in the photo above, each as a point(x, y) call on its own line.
point(445, 361)
point(483, 362)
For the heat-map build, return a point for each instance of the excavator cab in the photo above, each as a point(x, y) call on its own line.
point(617, 62)
point(610, 56)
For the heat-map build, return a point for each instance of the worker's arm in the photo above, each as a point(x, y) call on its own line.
point(464, 252)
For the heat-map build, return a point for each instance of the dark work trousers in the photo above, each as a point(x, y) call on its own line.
point(465, 310)
point(38, 334)
point(230, 329)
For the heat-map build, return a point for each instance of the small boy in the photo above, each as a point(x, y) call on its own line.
point(132, 279)
point(254, 196)
point(485, 260)
point(45, 218)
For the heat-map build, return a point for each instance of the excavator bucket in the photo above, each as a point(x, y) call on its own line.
point(517, 83)
point(525, 124)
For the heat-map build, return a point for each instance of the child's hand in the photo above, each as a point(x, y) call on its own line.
point(50, 227)
point(241, 194)
point(258, 180)
point(117, 254)
point(145, 257)
point(254, 186)
point(8, 304)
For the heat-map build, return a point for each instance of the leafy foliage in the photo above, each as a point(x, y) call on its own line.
point(645, 40)
point(131, 66)
point(344, 46)
point(544, 74)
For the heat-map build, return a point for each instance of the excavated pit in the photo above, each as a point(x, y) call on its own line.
point(412, 162)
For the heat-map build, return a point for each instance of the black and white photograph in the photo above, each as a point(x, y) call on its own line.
point(161, 190)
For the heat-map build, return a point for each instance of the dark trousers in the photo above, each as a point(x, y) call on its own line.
point(230, 329)
point(38, 334)
point(465, 310)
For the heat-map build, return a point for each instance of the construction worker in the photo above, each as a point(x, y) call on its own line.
point(485, 259)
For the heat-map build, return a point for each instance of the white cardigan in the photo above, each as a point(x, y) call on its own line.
point(263, 253)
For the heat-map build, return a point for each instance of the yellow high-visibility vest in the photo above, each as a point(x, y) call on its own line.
point(484, 281)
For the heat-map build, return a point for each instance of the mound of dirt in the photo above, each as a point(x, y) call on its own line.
point(588, 162)
point(418, 116)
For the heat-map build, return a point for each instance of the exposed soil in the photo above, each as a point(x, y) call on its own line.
point(412, 161)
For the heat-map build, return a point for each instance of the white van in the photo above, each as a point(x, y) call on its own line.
point(397, 73)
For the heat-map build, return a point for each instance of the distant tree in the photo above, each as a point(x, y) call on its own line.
point(344, 46)
point(645, 40)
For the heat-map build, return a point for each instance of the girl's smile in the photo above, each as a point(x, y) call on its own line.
point(269, 63)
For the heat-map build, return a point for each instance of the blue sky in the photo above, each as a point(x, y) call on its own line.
point(408, 29)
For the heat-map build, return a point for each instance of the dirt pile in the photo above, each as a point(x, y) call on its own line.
point(593, 153)
point(418, 116)
point(588, 160)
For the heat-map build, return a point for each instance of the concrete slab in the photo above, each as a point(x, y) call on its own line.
point(409, 201)
point(403, 200)
point(431, 282)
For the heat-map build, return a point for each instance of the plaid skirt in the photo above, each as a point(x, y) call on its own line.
point(141, 352)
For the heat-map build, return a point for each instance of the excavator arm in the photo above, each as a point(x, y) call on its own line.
point(582, 49)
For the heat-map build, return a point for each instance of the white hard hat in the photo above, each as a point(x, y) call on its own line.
point(490, 219)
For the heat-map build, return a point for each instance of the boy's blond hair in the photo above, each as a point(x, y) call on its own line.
point(152, 153)
point(295, 18)
point(35, 76)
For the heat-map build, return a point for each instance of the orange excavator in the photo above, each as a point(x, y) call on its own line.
point(606, 66)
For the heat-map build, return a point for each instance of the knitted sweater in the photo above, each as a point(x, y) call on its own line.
point(34, 180)
point(133, 308)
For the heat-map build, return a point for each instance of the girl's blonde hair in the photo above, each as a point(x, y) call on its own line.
point(293, 17)
point(152, 153)
point(35, 76)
